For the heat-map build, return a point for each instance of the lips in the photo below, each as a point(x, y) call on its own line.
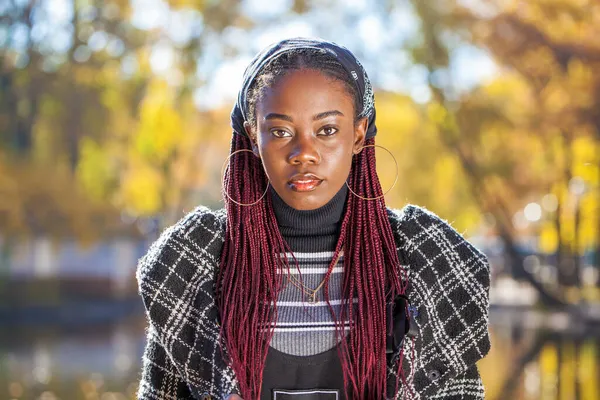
point(304, 182)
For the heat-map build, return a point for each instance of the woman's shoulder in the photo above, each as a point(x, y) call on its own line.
point(417, 227)
point(200, 225)
point(193, 241)
point(203, 225)
point(411, 219)
point(201, 221)
point(411, 213)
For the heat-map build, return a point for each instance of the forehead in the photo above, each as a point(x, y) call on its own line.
point(305, 90)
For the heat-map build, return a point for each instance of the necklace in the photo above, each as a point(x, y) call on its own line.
point(311, 294)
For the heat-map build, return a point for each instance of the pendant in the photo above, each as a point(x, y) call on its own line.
point(312, 298)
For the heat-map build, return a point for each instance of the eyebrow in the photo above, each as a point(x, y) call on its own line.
point(315, 118)
point(327, 114)
point(278, 116)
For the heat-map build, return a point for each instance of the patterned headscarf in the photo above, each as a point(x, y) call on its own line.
point(342, 54)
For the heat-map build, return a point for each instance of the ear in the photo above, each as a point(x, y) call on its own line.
point(360, 134)
point(252, 135)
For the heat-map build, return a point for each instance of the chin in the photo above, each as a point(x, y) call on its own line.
point(305, 202)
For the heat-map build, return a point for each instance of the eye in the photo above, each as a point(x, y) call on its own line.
point(329, 130)
point(280, 133)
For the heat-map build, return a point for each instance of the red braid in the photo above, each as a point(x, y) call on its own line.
point(248, 283)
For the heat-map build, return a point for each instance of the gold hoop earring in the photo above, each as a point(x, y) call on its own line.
point(223, 181)
point(395, 179)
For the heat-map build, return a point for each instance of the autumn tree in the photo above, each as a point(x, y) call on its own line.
point(531, 133)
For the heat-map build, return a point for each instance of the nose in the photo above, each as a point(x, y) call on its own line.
point(304, 151)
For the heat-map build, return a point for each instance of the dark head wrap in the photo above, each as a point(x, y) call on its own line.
point(343, 55)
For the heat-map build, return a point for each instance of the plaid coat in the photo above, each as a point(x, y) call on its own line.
point(449, 290)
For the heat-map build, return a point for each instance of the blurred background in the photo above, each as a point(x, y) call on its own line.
point(114, 123)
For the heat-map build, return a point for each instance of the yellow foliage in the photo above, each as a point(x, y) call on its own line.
point(429, 173)
point(142, 189)
point(549, 370)
point(94, 172)
point(588, 370)
point(568, 372)
point(160, 127)
point(580, 78)
point(44, 199)
point(512, 94)
point(548, 241)
point(397, 117)
point(556, 97)
point(586, 157)
point(195, 4)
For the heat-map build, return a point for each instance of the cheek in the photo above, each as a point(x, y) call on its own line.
point(338, 170)
point(263, 147)
point(273, 160)
point(272, 170)
point(347, 165)
point(341, 161)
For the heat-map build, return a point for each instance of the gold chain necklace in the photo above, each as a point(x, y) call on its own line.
point(311, 293)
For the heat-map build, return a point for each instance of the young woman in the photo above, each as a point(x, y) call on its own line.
point(306, 286)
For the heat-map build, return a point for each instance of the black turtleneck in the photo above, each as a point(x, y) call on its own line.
point(311, 230)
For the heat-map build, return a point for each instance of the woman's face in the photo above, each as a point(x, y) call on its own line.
point(306, 136)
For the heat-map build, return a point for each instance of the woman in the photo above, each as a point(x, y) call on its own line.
point(300, 288)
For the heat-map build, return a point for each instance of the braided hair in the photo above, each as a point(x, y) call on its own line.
point(248, 283)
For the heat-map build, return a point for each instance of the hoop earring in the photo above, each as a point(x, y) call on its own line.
point(225, 189)
point(395, 179)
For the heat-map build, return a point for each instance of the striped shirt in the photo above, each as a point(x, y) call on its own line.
point(304, 327)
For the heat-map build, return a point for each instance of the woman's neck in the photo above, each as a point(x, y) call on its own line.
point(311, 230)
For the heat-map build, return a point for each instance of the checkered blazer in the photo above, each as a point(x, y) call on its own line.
point(449, 291)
